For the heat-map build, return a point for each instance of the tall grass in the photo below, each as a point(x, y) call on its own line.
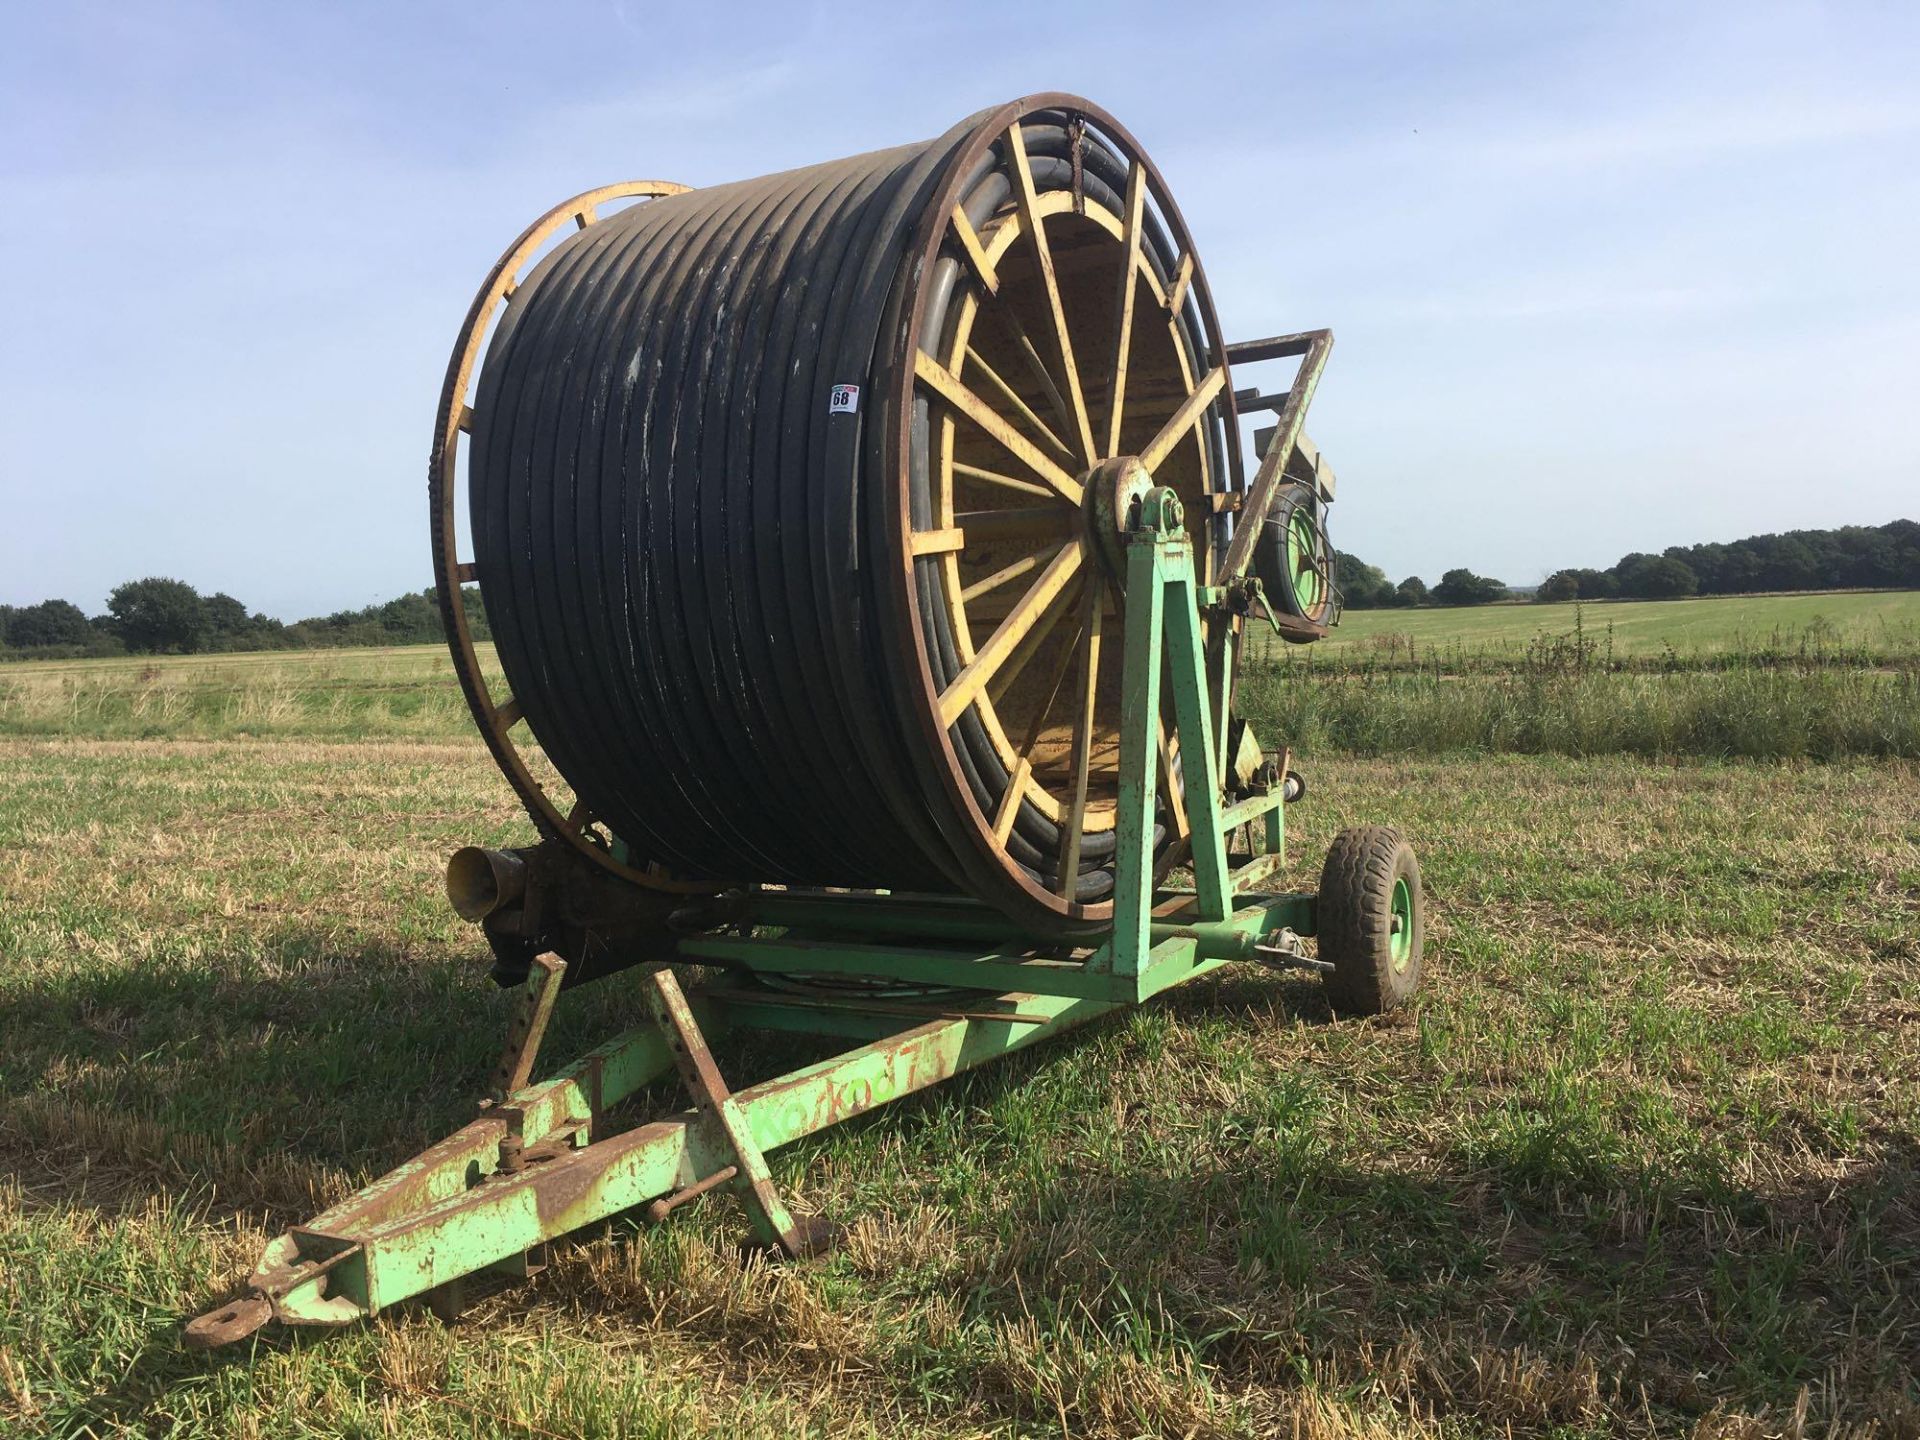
point(1805, 694)
point(1878, 627)
point(398, 693)
point(1757, 711)
point(1566, 695)
point(1598, 642)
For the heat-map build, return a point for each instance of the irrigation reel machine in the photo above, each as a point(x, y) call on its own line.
point(868, 550)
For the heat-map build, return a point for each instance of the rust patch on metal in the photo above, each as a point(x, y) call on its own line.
point(667, 1204)
point(233, 1321)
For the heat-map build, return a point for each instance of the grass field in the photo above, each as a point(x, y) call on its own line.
point(1641, 1158)
point(1509, 681)
point(1881, 623)
point(334, 694)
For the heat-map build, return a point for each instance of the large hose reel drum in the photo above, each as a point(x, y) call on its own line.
point(794, 506)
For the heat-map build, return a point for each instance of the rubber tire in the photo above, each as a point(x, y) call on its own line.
point(1355, 921)
point(1270, 558)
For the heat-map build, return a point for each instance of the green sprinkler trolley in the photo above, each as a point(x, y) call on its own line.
point(868, 552)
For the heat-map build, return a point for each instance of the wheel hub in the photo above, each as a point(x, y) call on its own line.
point(1114, 489)
point(1400, 930)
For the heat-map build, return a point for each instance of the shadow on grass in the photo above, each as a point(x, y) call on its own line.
point(1534, 1287)
point(303, 1050)
point(1533, 1277)
point(300, 1067)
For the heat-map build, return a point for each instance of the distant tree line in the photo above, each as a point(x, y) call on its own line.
point(161, 616)
point(1865, 557)
point(1366, 587)
point(158, 616)
point(1852, 557)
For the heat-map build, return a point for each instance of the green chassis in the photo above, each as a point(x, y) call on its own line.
point(536, 1165)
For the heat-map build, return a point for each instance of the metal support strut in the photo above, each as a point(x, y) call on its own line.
point(772, 1221)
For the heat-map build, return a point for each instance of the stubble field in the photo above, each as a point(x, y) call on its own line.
point(1640, 1159)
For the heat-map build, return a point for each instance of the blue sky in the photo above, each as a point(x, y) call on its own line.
point(1604, 277)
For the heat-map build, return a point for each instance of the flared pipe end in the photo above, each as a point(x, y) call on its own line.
point(481, 881)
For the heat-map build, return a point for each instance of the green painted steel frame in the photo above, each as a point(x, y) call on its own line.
point(453, 1211)
point(1163, 632)
point(539, 1165)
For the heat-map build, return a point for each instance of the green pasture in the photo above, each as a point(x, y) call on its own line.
point(1882, 623)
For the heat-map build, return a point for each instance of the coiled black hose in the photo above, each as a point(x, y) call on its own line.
point(673, 529)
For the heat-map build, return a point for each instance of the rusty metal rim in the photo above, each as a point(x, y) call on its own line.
point(452, 421)
point(1103, 184)
point(979, 847)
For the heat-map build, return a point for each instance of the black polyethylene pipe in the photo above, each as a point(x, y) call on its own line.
point(672, 527)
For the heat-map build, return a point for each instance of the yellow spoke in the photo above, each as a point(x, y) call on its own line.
point(1129, 283)
point(973, 677)
point(956, 394)
point(975, 252)
point(1176, 795)
point(1059, 447)
point(1023, 764)
point(1184, 419)
point(1005, 482)
point(1076, 817)
point(1000, 577)
point(1036, 637)
point(1183, 277)
point(1029, 205)
point(1023, 343)
point(937, 542)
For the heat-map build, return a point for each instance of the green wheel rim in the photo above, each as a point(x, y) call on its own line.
point(1400, 946)
point(1309, 585)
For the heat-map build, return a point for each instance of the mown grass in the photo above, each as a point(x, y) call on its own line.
point(1641, 1158)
